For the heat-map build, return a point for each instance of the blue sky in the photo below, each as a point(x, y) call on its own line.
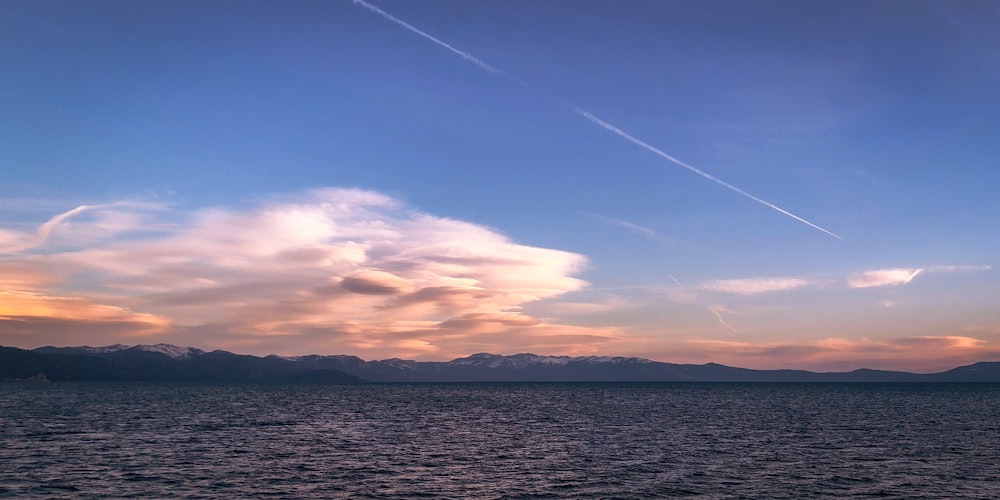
point(219, 129)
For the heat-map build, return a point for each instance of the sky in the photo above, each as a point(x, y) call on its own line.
point(765, 184)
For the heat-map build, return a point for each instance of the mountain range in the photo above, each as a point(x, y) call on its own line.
point(163, 362)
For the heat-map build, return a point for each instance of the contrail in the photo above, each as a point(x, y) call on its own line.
point(625, 135)
point(590, 116)
point(464, 55)
point(718, 315)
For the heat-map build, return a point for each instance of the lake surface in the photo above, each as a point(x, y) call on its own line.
point(78, 440)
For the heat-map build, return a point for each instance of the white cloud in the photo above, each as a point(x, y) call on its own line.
point(883, 277)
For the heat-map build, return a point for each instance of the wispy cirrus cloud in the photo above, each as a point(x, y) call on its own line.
point(100, 221)
point(753, 286)
point(643, 230)
point(633, 227)
point(379, 278)
point(751, 296)
point(864, 279)
point(959, 269)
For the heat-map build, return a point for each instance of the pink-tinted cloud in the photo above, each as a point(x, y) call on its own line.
point(357, 272)
point(375, 282)
point(863, 279)
point(883, 277)
point(375, 277)
point(486, 322)
point(28, 313)
point(753, 286)
point(917, 353)
point(34, 318)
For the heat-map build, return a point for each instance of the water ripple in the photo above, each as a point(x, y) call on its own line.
point(499, 441)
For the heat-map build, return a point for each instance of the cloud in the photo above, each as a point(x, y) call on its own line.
point(357, 272)
point(938, 342)
point(24, 307)
point(36, 319)
point(643, 230)
point(957, 268)
point(100, 221)
point(917, 353)
point(635, 228)
point(753, 286)
point(883, 277)
point(374, 282)
point(487, 322)
point(13, 242)
point(330, 270)
point(595, 305)
point(763, 285)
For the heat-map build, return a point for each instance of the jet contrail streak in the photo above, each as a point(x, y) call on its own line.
point(464, 55)
point(589, 116)
point(625, 135)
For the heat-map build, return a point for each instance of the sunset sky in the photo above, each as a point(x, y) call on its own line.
point(766, 184)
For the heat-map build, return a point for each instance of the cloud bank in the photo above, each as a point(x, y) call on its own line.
point(330, 270)
point(348, 271)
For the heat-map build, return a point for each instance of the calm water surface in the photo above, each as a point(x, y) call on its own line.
point(65, 440)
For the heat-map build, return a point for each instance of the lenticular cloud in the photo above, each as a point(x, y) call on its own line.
point(342, 269)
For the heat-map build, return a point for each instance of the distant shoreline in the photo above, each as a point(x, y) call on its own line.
point(166, 363)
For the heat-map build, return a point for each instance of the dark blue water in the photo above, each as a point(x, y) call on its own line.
point(65, 440)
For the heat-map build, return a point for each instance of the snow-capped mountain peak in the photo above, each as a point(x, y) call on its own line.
point(172, 351)
point(104, 349)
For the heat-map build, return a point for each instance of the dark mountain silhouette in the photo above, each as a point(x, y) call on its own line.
point(164, 362)
point(978, 372)
point(532, 368)
point(151, 363)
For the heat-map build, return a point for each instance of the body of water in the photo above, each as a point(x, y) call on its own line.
point(79, 440)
